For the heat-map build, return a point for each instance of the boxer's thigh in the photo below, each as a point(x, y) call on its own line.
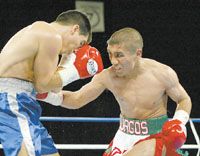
point(23, 151)
point(144, 148)
point(47, 144)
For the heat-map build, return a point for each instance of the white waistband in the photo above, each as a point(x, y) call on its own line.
point(17, 85)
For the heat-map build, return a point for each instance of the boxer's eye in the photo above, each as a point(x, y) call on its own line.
point(119, 54)
point(82, 43)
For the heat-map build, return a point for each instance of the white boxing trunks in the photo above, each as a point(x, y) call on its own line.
point(131, 131)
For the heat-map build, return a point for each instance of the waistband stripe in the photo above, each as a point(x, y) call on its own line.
point(142, 127)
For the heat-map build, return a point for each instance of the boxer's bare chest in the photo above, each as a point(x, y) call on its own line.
point(137, 93)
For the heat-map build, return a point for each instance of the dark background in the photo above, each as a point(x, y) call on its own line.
point(171, 33)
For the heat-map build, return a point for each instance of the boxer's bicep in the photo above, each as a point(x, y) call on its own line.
point(177, 93)
point(172, 84)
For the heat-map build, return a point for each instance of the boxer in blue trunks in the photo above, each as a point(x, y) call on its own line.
point(19, 120)
point(29, 65)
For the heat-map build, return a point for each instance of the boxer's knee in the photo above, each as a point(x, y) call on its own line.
point(164, 151)
point(23, 151)
point(144, 148)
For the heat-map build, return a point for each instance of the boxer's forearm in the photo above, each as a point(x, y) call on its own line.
point(185, 104)
point(66, 99)
point(73, 100)
point(183, 110)
point(77, 99)
point(54, 83)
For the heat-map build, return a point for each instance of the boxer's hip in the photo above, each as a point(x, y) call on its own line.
point(134, 126)
point(17, 100)
point(17, 85)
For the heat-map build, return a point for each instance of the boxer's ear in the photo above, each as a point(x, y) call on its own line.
point(75, 28)
point(139, 52)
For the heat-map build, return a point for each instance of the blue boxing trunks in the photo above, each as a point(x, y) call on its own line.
point(19, 120)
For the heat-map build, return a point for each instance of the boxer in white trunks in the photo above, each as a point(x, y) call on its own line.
point(142, 87)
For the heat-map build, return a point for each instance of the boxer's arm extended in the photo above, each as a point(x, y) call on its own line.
point(88, 93)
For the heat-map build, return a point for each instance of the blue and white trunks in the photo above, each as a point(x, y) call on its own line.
point(19, 120)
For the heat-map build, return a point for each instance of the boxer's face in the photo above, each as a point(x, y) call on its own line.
point(74, 40)
point(77, 41)
point(123, 62)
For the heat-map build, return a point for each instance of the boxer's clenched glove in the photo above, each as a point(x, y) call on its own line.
point(83, 63)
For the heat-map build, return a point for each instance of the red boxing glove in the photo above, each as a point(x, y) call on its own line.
point(41, 95)
point(83, 63)
point(88, 61)
point(174, 134)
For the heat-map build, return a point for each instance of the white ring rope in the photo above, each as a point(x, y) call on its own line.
point(104, 146)
point(195, 136)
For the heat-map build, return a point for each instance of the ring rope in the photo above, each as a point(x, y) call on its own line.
point(79, 119)
point(195, 136)
point(90, 119)
point(102, 146)
point(108, 120)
